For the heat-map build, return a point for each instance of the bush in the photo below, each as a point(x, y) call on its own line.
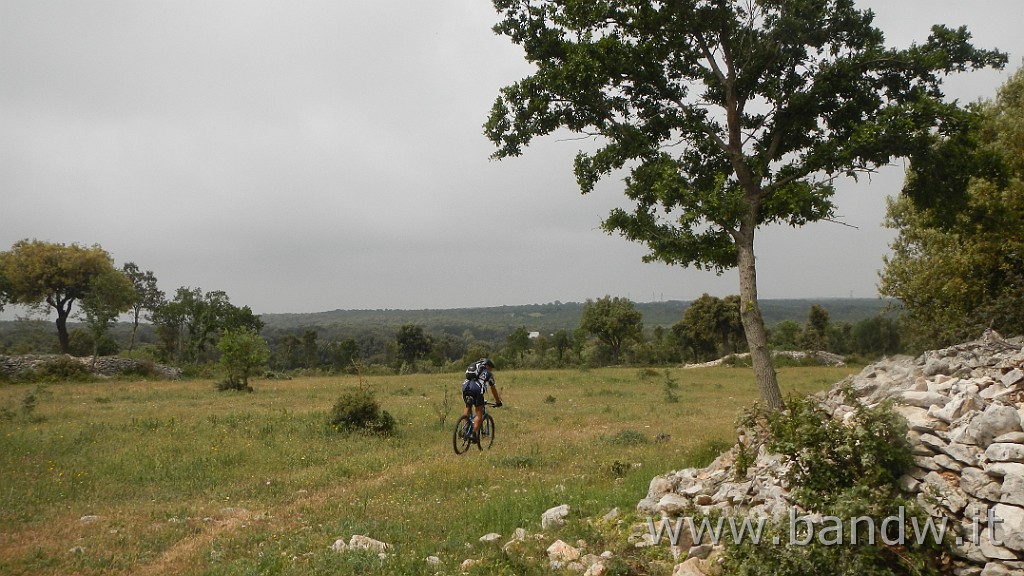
point(829, 456)
point(629, 437)
point(62, 369)
point(839, 470)
point(358, 410)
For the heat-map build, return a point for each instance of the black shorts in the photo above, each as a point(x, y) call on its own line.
point(473, 393)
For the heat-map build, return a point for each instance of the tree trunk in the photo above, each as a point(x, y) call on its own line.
point(135, 328)
point(753, 323)
point(62, 329)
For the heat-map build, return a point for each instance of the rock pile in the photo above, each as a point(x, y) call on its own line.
point(964, 412)
point(103, 366)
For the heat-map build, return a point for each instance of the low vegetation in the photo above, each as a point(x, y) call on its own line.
point(129, 477)
point(839, 469)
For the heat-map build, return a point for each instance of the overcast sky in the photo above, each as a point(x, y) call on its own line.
point(310, 156)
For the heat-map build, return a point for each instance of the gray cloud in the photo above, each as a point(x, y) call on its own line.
point(318, 155)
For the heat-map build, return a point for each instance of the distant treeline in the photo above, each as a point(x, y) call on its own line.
point(536, 336)
point(500, 321)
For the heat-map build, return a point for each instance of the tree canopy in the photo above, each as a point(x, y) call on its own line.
point(957, 263)
point(726, 115)
point(110, 294)
point(46, 274)
point(147, 296)
point(413, 343)
point(614, 321)
point(193, 321)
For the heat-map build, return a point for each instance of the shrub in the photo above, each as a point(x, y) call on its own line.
point(706, 452)
point(242, 352)
point(828, 456)
point(629, 437)
point(619, 469)
point(62, 369)
point(839, 470)
point(358, 410)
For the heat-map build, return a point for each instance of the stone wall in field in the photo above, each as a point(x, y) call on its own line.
point(103, 366)
point(964, 411)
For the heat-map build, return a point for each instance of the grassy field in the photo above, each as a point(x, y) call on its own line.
point(176, 478)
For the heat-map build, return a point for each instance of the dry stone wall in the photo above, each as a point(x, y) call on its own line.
point(103, 366)
point(964, 411)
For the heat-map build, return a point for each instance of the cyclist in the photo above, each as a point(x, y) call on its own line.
point(479, 376)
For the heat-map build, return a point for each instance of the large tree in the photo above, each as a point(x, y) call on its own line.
point(957, 263)
point(728, 115)
point(46, 274)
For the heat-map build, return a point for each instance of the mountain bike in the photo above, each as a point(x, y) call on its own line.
point(462, 438)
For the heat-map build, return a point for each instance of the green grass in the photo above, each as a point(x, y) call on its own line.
point(182, 479)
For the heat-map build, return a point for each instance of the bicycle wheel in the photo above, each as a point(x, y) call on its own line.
point(461, 438)
point(486, 432)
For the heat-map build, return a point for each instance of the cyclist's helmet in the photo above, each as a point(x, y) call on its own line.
point(487, 362)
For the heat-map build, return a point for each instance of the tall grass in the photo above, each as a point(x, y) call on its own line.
point(173, 477)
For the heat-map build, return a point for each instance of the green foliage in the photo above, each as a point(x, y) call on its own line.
point(728, 116)
point(614, 321)
point(816, 550)
point(242, 353)
point(840, 471)
point(358, 410)
point(110, 293)
point(629, 437)
point(45, 274)
point(147, 296)
point(711, 327)
point(618, 468)
point(191, 323)
point(706, 452)
point(413, 343)
point(829, 456)
point(956, 264)
point(61, 369)
point(517, 343)
point(671, 385)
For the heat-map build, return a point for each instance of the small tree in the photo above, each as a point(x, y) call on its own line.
point(147, 296)
point(561, 341)
point(242, 352)
point(109, 294)
point(614, 321)
point(517, 343)
point(815, 332)
point(413, 344)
